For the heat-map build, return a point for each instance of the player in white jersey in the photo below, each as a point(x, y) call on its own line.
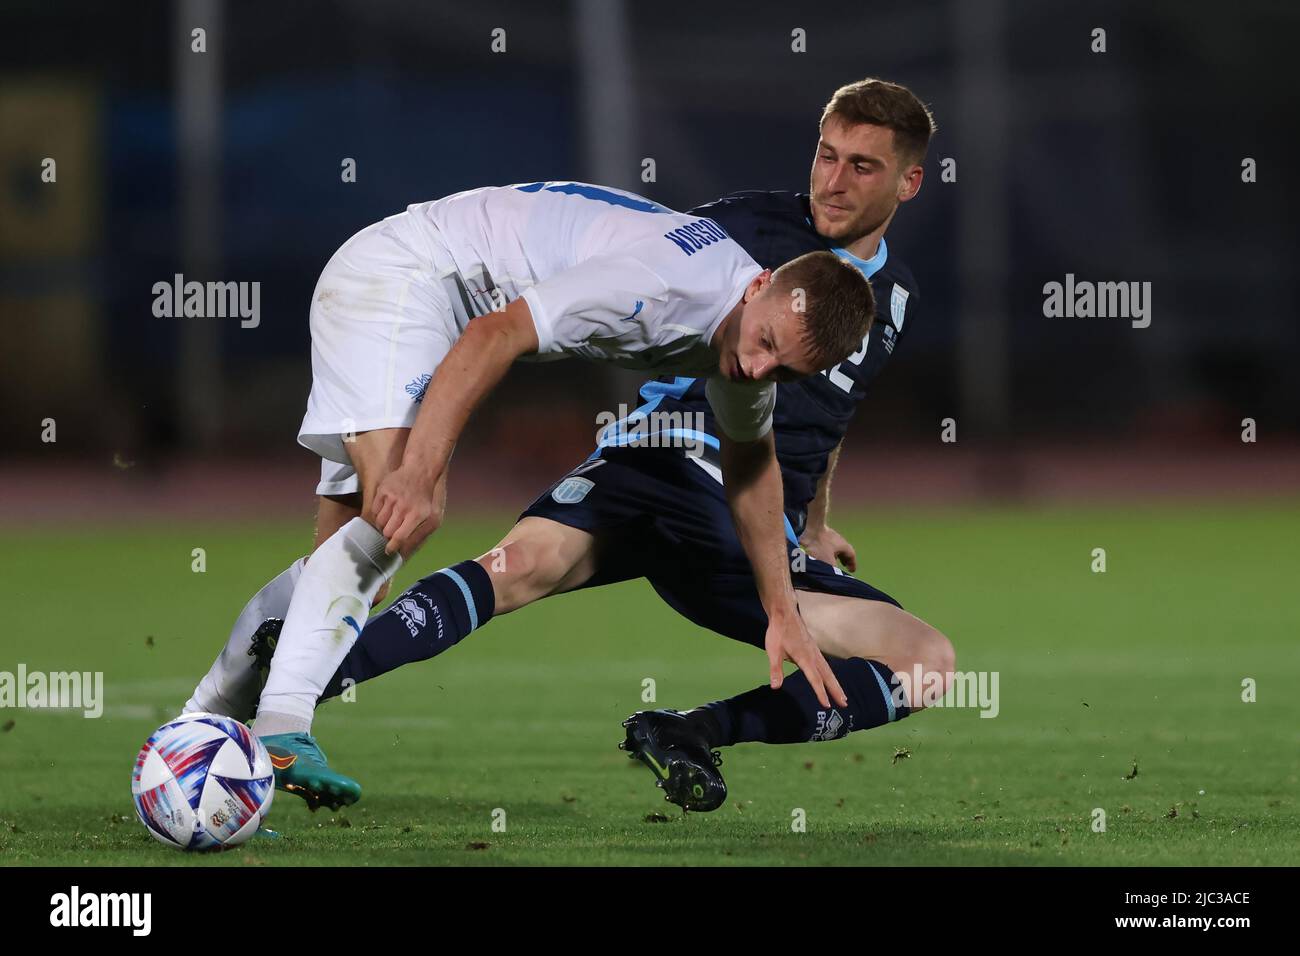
point(606, 274)
point(416, 318)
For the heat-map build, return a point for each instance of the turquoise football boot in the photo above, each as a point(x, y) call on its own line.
point(302, 769)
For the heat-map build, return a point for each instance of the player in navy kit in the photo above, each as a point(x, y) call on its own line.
point(642, 508)
point(662, 515)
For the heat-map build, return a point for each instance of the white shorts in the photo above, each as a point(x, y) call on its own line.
point(380, 325)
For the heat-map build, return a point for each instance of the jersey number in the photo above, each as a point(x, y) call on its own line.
point(838, 377)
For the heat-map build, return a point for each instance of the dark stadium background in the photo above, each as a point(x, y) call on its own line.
point(1116, 166)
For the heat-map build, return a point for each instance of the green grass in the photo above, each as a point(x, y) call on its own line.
point(1142, 664)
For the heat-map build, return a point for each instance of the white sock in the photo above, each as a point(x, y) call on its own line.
point(329, 607)
point(230, 686)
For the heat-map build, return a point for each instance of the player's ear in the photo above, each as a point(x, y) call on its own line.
point(910, 184)
point(757, 284)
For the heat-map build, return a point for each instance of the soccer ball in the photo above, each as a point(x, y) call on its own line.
point(202, 781)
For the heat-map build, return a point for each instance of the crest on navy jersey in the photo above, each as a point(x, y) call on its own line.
point(898, 305)
point(572, 490)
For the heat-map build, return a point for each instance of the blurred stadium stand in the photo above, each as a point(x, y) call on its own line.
point(1115, 166)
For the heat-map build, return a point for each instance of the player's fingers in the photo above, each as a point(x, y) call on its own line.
point(389, 530)
point(849, 558)
point(383, 517)
point(820, 676)
point(386, 505)
point(400, 525)
point(774, 673)
point(804, 656)
point(817, 684)
point(833, 684)
point(410, 533)
point(417, 536)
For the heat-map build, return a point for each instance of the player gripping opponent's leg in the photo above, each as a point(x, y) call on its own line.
point(650, 513)
point(380, 326)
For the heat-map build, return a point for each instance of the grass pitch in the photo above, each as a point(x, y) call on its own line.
point(1119, 690)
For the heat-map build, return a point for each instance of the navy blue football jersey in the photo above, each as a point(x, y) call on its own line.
point(812, 414)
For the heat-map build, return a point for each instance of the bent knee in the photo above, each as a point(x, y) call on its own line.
point(921, 658)
point(936, 652)
point(935, 661)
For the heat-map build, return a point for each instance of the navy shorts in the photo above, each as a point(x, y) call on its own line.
point(658, 515)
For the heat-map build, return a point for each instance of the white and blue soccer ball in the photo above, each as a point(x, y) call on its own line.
point(202, 781)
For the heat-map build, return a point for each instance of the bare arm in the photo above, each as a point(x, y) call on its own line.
point(820, 539)
point(405, 508)
point(820, 507)
point(752, 479)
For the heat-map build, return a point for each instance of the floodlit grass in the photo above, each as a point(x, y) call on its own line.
point(1140, 667)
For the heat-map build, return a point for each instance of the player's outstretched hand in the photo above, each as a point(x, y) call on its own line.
point(788, 640)
point(406, 510)
point(827, 544)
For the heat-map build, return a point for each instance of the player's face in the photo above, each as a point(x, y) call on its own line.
point(857, 180)
point(765, 344)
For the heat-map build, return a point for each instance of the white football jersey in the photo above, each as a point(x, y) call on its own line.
point(607, 275)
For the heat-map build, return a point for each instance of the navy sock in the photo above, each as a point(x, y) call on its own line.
point(792, 714)
point(432, 615)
